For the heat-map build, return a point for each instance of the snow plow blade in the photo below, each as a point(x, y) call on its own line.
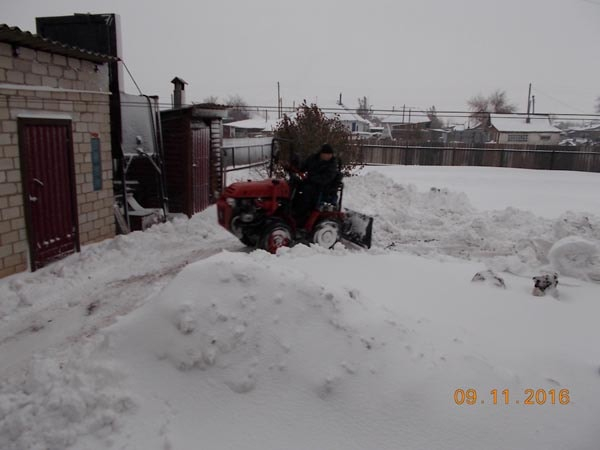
point(357, 228)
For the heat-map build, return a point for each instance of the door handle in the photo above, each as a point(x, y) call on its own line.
point(41, 183)
point(33, 199)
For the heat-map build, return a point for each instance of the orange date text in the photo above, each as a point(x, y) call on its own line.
point(506, 397)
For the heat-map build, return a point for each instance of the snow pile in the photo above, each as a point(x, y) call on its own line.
point(60, 400)
point(576, 257)
point(241, 318)
point(242, 324)
point(318, 349)
point(545, 193)
point(442, 222)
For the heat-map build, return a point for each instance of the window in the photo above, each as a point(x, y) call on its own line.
point(544, 138)
point(518, 137)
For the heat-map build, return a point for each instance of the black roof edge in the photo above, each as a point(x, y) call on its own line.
point(17, 37)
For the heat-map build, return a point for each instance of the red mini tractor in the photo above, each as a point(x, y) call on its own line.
point(261, 214)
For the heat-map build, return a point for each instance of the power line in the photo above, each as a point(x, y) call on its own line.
point(446, 114)
point(538, 90)
point(131, 76)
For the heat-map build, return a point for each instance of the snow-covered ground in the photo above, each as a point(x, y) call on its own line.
point(179, 338)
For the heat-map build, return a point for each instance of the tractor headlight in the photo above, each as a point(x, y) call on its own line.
point(230, 201)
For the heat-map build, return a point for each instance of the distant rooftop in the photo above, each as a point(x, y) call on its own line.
point(254, 124)
point(590, 127)
point(345, 114)
point(408, 117)
point(539, 123)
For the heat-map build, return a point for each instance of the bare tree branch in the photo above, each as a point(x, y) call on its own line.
point(496, 102)
point(211, 99)
point(238, 108)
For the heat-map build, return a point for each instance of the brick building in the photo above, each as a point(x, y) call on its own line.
point(56, 181)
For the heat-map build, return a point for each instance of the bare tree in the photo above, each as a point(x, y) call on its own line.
point(308, 130)
point(238, 108)
point(436, 122)
point(496, 102)
point(211, 99)
point(500, 104)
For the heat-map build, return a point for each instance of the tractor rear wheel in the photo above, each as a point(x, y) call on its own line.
point(276, 236)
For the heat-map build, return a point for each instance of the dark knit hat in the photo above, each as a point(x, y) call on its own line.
point(326, 148)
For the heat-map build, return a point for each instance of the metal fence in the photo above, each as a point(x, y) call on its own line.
point(547, 158)
point(239, 153)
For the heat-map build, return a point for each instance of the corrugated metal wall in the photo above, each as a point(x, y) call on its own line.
point(175, 131)
point(200, 169)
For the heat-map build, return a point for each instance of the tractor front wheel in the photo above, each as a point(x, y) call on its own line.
point(326, 233)
point(276, 236)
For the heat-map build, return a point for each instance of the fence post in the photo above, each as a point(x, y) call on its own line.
point(552, 160)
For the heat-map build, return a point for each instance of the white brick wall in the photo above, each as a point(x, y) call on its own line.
point(35, 72)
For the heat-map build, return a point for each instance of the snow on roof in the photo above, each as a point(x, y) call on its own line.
point(254, 124)
point(345, 114)
point(409, 117)
point(590, 127)
point(539, 123)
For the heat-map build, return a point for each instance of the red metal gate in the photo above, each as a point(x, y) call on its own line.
point(200, 169)
point(49, 189)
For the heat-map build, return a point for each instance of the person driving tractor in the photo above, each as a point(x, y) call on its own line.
point(320, 181)
point(280, 212)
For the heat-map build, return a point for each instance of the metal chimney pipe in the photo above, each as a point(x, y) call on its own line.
point(178, 92)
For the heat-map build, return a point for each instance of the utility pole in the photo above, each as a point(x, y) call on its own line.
point(528, 120)
point(533, 104)
point(278, 101)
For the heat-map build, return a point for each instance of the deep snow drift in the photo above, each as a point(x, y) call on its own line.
point(126, 345)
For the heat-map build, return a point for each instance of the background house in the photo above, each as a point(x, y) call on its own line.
point(352, 121)
point(406, 125)
point(517, 129)
point(56, 187)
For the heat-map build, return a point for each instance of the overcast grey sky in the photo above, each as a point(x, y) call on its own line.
point(414, 52)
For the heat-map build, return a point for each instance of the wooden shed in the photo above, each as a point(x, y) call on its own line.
point(192, 140)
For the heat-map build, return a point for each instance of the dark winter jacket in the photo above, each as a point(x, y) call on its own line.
point(323, 174)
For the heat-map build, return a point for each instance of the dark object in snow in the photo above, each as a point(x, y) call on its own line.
point(545, 284)
point(490, 277)
point(91, 308)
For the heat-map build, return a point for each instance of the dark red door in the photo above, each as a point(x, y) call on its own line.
point(49, 189)
point(200, 169)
